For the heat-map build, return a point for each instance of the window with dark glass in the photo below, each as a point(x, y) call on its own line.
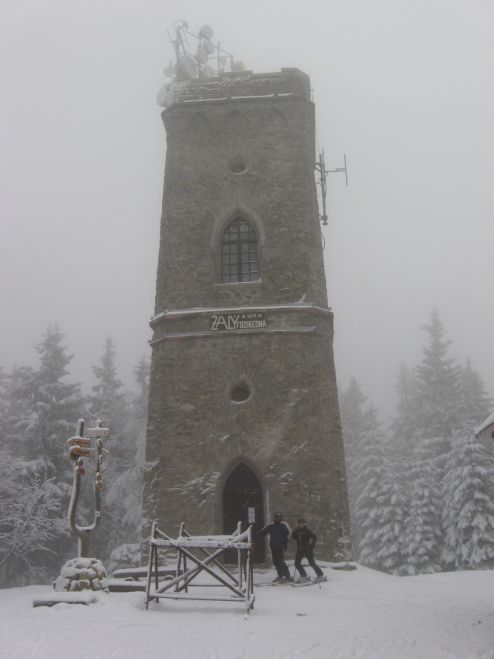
point(239, 253)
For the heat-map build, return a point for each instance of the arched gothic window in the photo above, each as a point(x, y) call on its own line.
point(239, 252)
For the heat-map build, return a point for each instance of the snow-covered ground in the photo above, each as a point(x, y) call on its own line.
point(355, 614)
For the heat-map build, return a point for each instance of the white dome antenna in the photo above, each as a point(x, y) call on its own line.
point(206, 60)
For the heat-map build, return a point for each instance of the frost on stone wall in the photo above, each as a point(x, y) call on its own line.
point(198, 490)
point(171, 92)
point(299, 448)
point(151, 483)
point(150, 497)
point(285, 481)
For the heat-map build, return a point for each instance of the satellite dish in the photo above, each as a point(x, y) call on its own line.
point(186, 67)
point(170, 71)
point(201, 55)
point(208, 46)
point(162, 96)
point(206, 32)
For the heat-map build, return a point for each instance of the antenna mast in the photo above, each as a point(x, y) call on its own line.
point(321, 176)
point(208, 60)
point(189, 64)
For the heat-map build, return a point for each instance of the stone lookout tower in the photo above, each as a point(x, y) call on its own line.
point(243, 409)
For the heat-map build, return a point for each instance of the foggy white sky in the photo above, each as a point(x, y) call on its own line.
point(405, 88)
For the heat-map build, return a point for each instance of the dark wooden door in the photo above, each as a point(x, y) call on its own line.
point(243, 501)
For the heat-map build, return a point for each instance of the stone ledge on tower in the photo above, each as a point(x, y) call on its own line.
point(240, 84)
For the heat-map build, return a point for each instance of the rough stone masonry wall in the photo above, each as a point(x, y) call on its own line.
point(276, 191)
point(288, 431)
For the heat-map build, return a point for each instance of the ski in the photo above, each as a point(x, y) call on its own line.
point(304, 583)
point(288, 583)
point(300, 584)
point(264, 584)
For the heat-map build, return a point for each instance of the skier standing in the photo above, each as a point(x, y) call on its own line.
point(306, 541)
point(278, 532)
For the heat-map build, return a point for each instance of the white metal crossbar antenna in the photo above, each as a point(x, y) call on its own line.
point(197, 555)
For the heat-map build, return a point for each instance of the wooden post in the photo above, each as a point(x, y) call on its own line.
point(79, 448)
point(239, 556)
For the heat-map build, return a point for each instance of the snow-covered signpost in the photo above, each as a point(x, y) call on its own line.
point(79, 448)
point(84, 573)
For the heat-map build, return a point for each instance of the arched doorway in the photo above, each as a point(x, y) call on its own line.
point(243, 501)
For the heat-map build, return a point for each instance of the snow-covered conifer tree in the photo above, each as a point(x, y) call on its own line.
point(108, 402)
point(438, 390)
point(19, 412)
point(468, 516)
point(354, 419)
point(125, 416)
point(474, 403)
point(439, 404)
point(30, 515)
point(381, 504)
point(404, 430)
point(125, 495)
point(422, 539)
point(55, 405)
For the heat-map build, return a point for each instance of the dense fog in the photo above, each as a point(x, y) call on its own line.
point(404, 89)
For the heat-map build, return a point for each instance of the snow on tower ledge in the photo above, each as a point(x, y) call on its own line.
point(240, 84)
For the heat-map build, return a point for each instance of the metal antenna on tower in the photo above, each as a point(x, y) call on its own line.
point(322, 174)
point(189, 64)
point(196, 56)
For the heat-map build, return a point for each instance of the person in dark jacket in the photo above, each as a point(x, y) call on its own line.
point(278, 532)
point(306, 541)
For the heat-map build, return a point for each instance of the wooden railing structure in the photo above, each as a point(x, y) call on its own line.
point(190, 565)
